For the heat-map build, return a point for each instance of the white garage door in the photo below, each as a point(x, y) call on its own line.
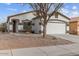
point(56, 28)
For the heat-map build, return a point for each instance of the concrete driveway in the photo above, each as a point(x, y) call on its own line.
point(73, 38)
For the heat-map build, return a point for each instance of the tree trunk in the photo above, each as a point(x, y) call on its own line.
point(44, 31)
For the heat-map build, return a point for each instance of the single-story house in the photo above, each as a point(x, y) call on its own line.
point(74, 26)
point(27, 21)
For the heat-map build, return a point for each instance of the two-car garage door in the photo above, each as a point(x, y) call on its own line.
point(56, 28)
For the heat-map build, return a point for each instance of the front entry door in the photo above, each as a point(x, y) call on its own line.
point(14, 26)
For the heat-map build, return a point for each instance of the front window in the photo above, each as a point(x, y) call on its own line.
point(27, 26)
point(56, 15)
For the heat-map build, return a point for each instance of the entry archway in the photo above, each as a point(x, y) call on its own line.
point(14, 25)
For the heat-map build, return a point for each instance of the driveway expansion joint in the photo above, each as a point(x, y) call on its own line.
point(43, 51)
point(11, 52)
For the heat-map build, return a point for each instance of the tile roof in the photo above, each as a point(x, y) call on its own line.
point(74, 19)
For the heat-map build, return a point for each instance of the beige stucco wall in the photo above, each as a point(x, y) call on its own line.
point(62, 18)
point(73, 27)
point(36, 27)
point(28, 16)
point(78, 27)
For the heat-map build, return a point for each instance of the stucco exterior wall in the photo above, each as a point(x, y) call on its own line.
point(73, 27)
point(22, 17)
point(28, 16)
point(78, 27)
point(36, 27)
point(62, 18)
point(20, 27)
point(10, 27)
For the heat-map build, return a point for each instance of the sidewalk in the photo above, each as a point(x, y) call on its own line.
point(61, 50)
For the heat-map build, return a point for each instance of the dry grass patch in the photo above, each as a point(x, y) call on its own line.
point(12, 41)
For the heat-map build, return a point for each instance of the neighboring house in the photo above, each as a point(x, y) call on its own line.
point(74, 25)
point(58, 23)
point(3, 27)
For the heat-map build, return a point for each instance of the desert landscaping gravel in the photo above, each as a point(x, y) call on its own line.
point(13, 41)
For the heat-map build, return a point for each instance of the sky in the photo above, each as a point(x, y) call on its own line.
point(70, 9)
point(7, 9)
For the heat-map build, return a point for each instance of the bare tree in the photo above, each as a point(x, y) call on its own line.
point(45, 11)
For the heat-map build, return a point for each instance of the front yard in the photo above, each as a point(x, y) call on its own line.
point(13, 41)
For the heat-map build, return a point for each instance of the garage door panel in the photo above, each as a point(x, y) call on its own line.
point(56, 28)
